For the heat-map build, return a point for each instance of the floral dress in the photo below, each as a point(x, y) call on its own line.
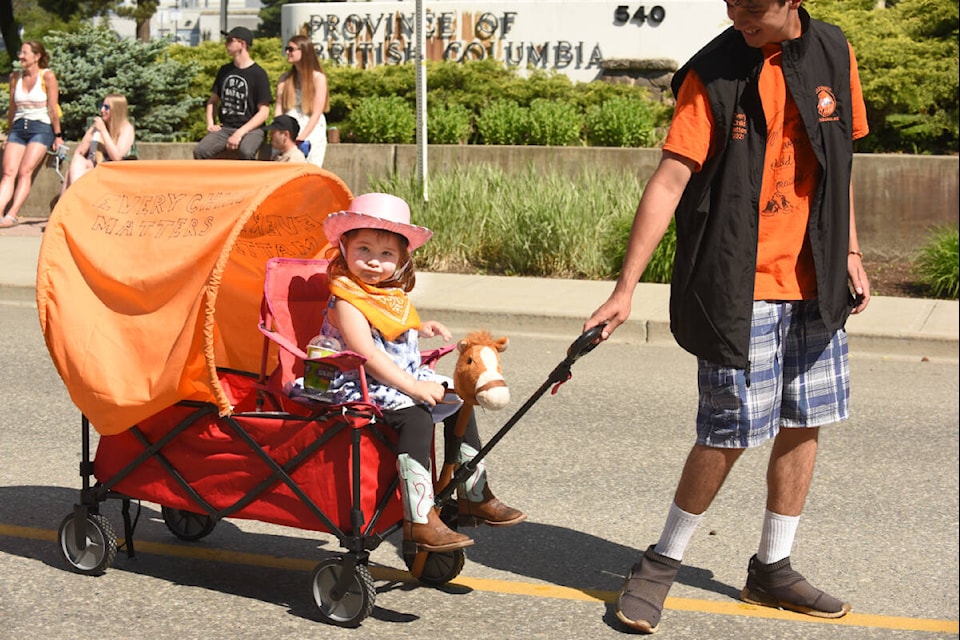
point(405, 353)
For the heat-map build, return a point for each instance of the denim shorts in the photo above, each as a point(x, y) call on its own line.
point(799, 377)
point(26, 131)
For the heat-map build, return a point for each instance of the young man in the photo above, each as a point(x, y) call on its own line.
point(283, 138)
point(241, 93)
point(757, 169)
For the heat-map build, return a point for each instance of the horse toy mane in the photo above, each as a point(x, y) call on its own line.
point(477, 375)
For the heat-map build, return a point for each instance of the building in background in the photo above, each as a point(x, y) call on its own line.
point(191, 22)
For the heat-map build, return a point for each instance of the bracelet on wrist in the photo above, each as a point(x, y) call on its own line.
point(58, 135)
point(856, 253)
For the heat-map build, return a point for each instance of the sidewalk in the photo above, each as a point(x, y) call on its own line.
point(511, 306)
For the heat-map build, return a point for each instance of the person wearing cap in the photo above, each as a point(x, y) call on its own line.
point(283, 138)
point(371, 273)
point(240, 99)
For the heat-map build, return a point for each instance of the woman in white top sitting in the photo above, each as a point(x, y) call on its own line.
point(110, 137)
point(302, 93)
point(34, 121)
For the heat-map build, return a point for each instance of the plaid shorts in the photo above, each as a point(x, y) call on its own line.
point(798, 377)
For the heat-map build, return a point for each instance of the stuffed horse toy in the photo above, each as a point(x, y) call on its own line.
point(477, 376)
point(478, 380)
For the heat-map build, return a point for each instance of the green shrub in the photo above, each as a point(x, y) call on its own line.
point(554, 122)
point(937, 263)
point(622, 122)
point(488, 220)
point(503, 122)
point(449, 124)
point(383, 120)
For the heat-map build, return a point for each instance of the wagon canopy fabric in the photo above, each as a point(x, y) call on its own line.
point(150, 276)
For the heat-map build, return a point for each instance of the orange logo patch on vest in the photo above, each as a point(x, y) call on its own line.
point(739, 129)
point(826, 104)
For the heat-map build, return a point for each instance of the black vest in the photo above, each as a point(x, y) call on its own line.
point(711, 294)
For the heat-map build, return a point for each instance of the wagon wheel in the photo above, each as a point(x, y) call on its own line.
point(354, 605)
point(439, 568)
point(187, 525)
point(99, 550)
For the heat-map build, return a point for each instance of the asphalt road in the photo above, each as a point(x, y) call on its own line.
point(594, 466)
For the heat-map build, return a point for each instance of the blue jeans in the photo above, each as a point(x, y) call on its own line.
point(26, 131)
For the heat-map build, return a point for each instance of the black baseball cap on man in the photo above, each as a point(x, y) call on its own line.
point(285, 123)
point(240, 33)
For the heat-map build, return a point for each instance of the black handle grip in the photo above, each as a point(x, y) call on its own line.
point(586, 343)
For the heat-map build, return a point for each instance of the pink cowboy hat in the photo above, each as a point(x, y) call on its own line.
point(376, 211)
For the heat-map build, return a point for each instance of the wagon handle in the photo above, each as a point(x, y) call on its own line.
point(585, 343)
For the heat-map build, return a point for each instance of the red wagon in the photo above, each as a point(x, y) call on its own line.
point(175, 326)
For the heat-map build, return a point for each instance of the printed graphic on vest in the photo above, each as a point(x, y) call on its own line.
point(826, 105)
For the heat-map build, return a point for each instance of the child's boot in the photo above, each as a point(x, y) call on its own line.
point(476, 504)
point(422, 526)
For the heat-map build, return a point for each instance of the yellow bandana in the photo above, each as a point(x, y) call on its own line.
point(389, 310)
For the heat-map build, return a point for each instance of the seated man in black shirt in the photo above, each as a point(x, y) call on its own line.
point(242, 92)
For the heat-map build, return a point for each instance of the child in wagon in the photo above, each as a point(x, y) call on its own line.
point(370, 313)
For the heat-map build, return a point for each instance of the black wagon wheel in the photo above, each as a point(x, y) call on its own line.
point(439, 567)
point(349, 608)
point(187, 525)
point(99, 546)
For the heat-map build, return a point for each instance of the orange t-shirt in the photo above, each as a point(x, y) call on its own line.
point(785, 269)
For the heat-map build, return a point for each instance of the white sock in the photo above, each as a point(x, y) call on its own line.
point(677, 532)
point(776, 538)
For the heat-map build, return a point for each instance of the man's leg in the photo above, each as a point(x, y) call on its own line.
point(212, 144)
point(250, 145)
point(815, 392)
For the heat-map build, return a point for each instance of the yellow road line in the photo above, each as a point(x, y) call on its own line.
point(519, 588)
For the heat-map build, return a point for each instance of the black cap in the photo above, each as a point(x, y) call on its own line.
point(240, 33)
point(285, 123)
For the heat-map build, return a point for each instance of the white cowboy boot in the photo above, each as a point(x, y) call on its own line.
point(476, 504)
point(422, 525)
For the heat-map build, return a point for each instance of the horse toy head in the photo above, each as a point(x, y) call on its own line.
point(477, 376)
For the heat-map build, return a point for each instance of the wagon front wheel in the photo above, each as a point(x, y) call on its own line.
point(95, 552)
point(345, 609)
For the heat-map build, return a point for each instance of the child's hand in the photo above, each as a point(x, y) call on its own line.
point(432, 328)
point(428, 392)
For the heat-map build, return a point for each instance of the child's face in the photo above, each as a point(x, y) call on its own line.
point(372, 256)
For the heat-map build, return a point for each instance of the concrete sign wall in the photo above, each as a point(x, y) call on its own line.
point(570, 37)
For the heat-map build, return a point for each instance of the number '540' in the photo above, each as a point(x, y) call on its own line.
point(621, 15)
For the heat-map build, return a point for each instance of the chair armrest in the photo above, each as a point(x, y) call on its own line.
point(429, 357)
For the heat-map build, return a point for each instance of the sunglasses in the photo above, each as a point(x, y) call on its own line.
point(290, 49)
point(105, 107)
point(231, 40)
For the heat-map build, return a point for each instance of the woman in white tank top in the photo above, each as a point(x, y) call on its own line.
point(34, 121)
point(302, 93)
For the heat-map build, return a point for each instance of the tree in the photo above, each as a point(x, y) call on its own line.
point(142, 13)
point(93, 62)
point(9, 28)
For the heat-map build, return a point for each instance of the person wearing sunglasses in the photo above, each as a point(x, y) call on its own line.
point(240, 99)
point(110, 137)
point(302, 93)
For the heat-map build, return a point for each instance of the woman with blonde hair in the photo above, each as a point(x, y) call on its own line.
point(302, 93)
point(110, 137)
point(34, 123)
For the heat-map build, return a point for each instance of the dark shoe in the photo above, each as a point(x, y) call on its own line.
point(777, 585)
point(490, 511)
point(641, 600)
point(433, 535)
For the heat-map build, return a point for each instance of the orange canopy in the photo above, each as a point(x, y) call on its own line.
point(150, 276)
